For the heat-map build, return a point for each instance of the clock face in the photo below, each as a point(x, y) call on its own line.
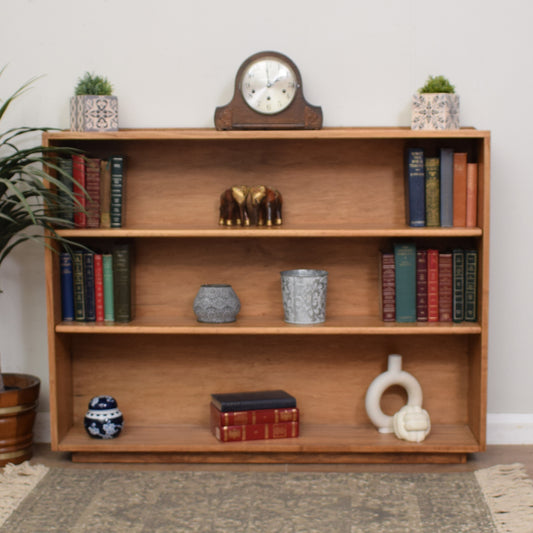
point(268, 85)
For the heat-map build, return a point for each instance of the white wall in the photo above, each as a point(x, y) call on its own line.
point(173, 62)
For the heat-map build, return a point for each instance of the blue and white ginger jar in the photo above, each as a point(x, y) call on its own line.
point(103, 420)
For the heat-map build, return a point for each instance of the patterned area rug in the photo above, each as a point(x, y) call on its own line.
point(34, 499)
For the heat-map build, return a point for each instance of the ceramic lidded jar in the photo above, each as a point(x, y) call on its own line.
point(103, 420)
point(216, 303)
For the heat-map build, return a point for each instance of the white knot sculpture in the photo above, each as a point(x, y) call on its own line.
point(411, 422)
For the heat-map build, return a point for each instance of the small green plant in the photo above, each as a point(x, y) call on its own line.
point(437, 84)
point(93, 84)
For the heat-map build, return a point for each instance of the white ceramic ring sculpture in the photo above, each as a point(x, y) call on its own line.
point(393, 376)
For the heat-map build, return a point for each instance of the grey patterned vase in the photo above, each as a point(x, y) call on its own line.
point(304, 294)
point(90, 112)
point(216, 303)
point(435, 111)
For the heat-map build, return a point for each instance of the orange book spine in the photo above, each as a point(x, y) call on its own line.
point(471, 195)
point(283, 430)
point(433, 285)
point(459, 189)
point(257, 416)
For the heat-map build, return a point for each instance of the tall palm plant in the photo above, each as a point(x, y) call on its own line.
point(27, 205)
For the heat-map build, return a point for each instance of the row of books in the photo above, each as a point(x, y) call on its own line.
point(103, 180)
point(441, 190)
point(428, 285)
point(254, 415)
point(97, 287)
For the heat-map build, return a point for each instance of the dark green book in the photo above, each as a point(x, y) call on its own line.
point(458, 302)
point(79, 286)
point(116, 164)
point(109, 305)
point(471, 285)
point(405, 272)
point(432, 191)
point(122, 278)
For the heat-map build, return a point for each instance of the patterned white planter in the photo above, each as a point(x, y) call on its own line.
point(94, 113)
point(435, 111)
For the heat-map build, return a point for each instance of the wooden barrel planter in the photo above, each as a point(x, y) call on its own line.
point(18, 405)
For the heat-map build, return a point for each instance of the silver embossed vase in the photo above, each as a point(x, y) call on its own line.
point(216, 303)
point(304, 294)
point(103, 419)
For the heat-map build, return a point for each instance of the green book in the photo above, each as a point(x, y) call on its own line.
point(458, 285)
point(471, 285)
point(79, 286)
point(116, 164)
point(432, 191)
point(122, 282)
point(405, 272)
point(109, 306)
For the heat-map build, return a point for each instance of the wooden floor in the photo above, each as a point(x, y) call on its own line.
point(493, 456)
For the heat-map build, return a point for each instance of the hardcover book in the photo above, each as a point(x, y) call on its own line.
point(252, 416)
point(245, 401)
point(445, 287)
point(415, 187)
point(123, 286)
point(88, 276)
point(387, 287)
point(79, 286)
point(459, 189)
point(65, 165)
point(117, 191)
point(109, 305)
point(67, 287)
point(78, 173)
point(433, 285)
point(471, 260)
point(421, 285)
point(99, 287)
point(105, 194)
point(471, 194)
point(405, 261)
point(92, 179)
point(446, 187)
point(432, 191)
point(458, 285)
point(282, 430)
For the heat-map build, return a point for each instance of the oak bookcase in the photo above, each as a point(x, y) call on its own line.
point(343, 191)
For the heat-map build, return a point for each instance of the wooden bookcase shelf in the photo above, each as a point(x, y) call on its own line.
point(343, 191)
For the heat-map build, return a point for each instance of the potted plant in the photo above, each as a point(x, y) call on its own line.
point(93, 107)
point(435, 106)
point(27, 203)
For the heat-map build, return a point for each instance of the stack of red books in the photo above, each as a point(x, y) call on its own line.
point(254, 415)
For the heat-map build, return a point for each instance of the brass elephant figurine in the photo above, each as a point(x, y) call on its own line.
point(257, 205)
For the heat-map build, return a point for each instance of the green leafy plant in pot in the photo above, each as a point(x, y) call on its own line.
point(35, 199)
point(435, 106)
point(93, 106)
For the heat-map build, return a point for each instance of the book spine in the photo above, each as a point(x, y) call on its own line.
point(459, 189)
point(79, 286)
point(99, 287)
point(281, 430)
point(122, 283)
point(446, 187)
point(67, 209)
point(445, 287)
point(109, 306)
point(415, 186)
point(117, 190)
point(105, 194)
point(257, 416)
point(433, 285)
point(78, 188)
point(67, 287)
point(458, 285)
point(432, 191)
point(405, 261)
point(90, 302)
point(421, 286)
point(92, 179)
point(471, 261)
point(388, 287)
point(471, 194)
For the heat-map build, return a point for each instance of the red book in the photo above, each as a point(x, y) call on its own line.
point(388, 287)
point(92, 179)
point(282, 430)
point(421, 285)
point(256, 416)
point(445, 287)
point(99, 287)
point(78, 173)
point(471, 195)
point(459, 189)
point(433, 286)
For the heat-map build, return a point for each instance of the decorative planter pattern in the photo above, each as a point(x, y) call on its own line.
point(435, 111)
point(17, 414)
point(94, 113)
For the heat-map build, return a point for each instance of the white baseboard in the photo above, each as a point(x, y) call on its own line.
point(501, 428)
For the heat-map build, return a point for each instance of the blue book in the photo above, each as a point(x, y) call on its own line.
point(90, 300)
point(415, 187)
point(446, 187)
point(405, 272)
point(67, 287)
